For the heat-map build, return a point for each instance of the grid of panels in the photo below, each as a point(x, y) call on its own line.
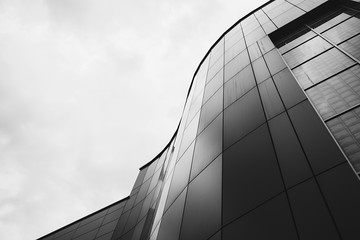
point(250, 146)
point(331, 76)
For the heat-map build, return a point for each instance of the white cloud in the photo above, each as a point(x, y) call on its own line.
point(89, 92)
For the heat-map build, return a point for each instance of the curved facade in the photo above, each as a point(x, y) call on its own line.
point(268, 146)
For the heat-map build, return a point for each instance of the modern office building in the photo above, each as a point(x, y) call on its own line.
point(268, 146)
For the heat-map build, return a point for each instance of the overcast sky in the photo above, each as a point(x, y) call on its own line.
point(89, 92)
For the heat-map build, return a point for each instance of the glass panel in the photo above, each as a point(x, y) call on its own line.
point(93, 217)
point(213, 86)
point(343, 31)
point(181, 176)
point(265, 45)
point(170, 225)
point(109, 227)
point(237, 64)
point(270, 99)
point(294, 42)
point(242, 116)
point(237, 86)
point(346, 130)
point(287, 16)
point(274, 61)
point(121, 225)
point(319, 146)
point(215, 68)
point(134, 214)
point(337, 94)
point(86, 236)
point(251, 174)
point(88, 227)
point(261, 70)
point(289, 89)
point(112, 216)
point(189, 134)
point(254, 52)
point(306, 51)
point(269, 27)
point(340, 187)
point(143, 190)
point(270, 221)
point(352, 46)
point(321, 67)
point(211, 109)
point(235, 36)
point(202, 214)
point(234, 50)
point(310, 210)
point(254, 36)
point(332, 22)
point(208, 146)
point(292, 160)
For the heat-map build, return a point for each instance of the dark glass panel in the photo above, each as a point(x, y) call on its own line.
point(238, 47)
point(265, 45)
point(269, 221)
point(202, 214)
point(260, 69)
point(254, 52)
point(87, 236)
point(251, 174)
point(112, 216)
point(274, 62)
point(306, 51)
point(270, 99)
point(319, 146)
point(88, 227)
point(237, 86)
point(322, 67)
point(106, 228)
point(292, 160)
point(337, 93)
point(343, 31)
point(170, 224)
point(105, 236)
point(208, 146)
point(189, 134)
point(311, 215)
point(150, 170)
point(288, 88)
point(213, 86)
point(346, 130)
point(211, 109)
point(66, 236)
point(93, 217)
point(116, 206)
point(352, 46)
point(138, 229)
point(217, 236)
point(121, 225)
point(140, 178)
point(146, 205)
point(237, 64)
point(133, 218)
point(181, 176)
point(143, 190)
point(70, 228)
point(341, 189)
point(242, 116)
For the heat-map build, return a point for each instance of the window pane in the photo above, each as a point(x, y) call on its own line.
point(202, 214)
point(237, 86)
point(211, 109)
point(346, 129)
point(343, 31)
point(213, 86)
point(352, 46)
point(322, 67)
point(292, 160)
point(251, 174)
point(337, 94)
point(242, 116)
point(270, 99)
point(261, 70)
point(237, 64)
point(274, 61)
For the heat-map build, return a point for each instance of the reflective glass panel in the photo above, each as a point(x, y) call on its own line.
point(270, 99)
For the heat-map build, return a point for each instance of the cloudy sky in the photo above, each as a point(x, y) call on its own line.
point(89, 92)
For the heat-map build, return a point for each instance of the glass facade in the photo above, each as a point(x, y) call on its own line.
point(268, 146)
